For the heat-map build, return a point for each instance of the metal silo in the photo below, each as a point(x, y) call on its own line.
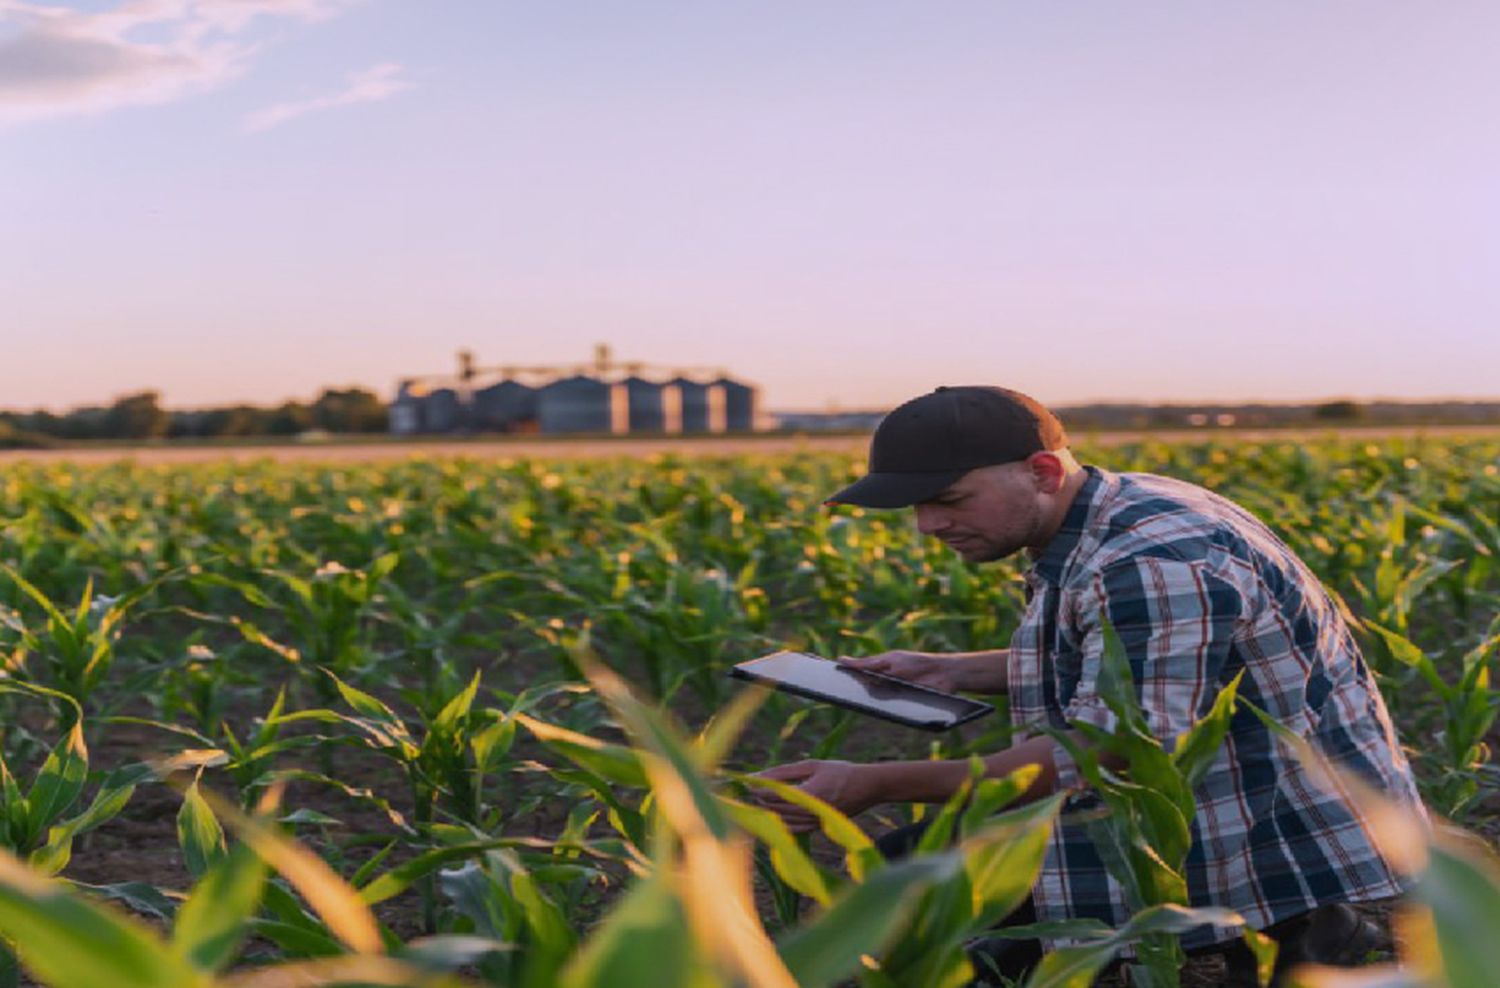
point(739, 405)
point(583, 404)
point(406, 410)
point(702, 405)
point(653, 406)
point(441, 411)
point(505, 406)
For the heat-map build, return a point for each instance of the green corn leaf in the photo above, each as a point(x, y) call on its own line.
point(198, 832)
point(1199, 745)
point(999, 865)
point(65, 939)
point(788, 858)
point(644, 940)
point(455, 710)
point(860, 855)
point(404, 875)
point(863, 919)
point(492, 743)
point(54, 614)
point(382, 567)
point(53, 856)
point(613, 762)
point(1003, 858)
point(17, 811)
point(675, 774)
point(1461, 886)
point(1115, 684)
point(141, 897)
point(295, 939)
point(1076, 967)
point(941, 828)
point(214, 920)
point(59, 783)
point(990, 795)
point(365, 704)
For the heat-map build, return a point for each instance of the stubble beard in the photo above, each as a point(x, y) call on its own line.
point(1007, 544)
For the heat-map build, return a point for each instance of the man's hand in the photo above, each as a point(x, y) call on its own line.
point(972, 672)
point(846, 786)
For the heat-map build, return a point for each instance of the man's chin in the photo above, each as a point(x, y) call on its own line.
point(981, 554)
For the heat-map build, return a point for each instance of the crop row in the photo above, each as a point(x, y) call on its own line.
point(411, 640)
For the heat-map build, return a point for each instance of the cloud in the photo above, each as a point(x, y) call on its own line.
point(56, 61)
point(372, 85)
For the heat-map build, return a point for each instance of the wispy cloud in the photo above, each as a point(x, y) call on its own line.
point(56, 61)
point(372, 85)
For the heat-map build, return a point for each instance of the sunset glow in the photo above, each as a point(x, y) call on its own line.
point(846, 203)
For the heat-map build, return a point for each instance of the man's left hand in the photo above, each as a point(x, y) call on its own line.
point(847, 786)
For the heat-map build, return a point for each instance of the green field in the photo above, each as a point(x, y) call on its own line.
point(213, 669)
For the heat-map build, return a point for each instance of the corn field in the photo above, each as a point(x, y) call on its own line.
point(467, 722)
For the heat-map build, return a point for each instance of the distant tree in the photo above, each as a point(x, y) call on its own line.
point(349, 410)
point(289, 419)
point(1338, 411)
point(236, 420)
point(137, 416)
point(87, 423)
point(12, 437)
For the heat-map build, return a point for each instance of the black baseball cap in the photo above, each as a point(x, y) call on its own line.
point(926, 444)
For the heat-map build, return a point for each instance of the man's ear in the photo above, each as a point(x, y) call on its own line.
point(1047, 470)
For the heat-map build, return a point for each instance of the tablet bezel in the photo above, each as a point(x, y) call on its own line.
point(978, 708)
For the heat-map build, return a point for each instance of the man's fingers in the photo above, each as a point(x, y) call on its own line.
point(792, 772)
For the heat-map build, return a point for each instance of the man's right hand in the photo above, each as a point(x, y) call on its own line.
point(968, 672)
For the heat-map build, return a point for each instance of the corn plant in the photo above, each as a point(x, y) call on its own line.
point(66, 938)
point(76, 646)
point(1146, 833)
point(328, 614)
point(1447, 926)
point(1451, 774)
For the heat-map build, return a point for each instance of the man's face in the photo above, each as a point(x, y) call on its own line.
point(986, 514)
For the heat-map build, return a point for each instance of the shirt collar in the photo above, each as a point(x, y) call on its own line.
point(1049, 565)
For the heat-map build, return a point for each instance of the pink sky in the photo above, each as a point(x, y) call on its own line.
point(845, 202)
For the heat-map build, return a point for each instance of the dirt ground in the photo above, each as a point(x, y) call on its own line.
point(635, 447)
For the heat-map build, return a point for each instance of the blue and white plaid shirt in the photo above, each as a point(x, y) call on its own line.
point(1198, 590)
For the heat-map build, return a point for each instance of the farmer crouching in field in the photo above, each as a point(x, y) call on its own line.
point(1198, 590)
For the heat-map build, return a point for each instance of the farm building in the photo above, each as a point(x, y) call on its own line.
point(505, 406)
point(604, 397)
point(702, 405)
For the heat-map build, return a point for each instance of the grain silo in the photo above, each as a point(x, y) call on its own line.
point(583, 404)
point(406, 410)
point(653, 406)
point(739, 405)
point(702, 405)
point(442, 412)
point(505, 406)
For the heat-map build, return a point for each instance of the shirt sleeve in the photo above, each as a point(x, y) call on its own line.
point(1176, 620)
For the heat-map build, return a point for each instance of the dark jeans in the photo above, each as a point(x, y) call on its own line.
point(1331, 934)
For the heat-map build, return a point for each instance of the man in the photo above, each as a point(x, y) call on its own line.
point(1198, 590)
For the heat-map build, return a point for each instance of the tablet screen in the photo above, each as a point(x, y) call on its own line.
point(811, 675)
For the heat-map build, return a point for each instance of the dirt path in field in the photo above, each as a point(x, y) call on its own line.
point(635, 448)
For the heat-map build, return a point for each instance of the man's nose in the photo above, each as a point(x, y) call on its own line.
point(930, 519)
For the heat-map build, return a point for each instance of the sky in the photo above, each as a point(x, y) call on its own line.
point(846, 202)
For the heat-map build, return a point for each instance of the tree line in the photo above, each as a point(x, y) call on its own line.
point(140, 416)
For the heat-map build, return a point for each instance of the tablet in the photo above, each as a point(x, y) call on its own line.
point(870, 693)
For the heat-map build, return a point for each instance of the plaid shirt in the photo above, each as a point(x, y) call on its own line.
point(1198, 590)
